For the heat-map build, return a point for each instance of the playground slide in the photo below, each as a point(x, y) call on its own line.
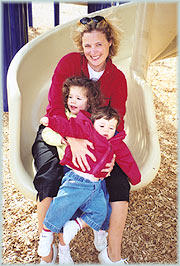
point(150, 32)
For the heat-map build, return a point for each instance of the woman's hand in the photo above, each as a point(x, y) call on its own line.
point(44, 120)
point(79, 151)
point(109, 166)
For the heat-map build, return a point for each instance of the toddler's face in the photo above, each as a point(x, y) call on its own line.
point(106, 127)
point(77, 99)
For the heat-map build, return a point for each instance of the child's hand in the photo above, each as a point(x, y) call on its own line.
point(44, 121)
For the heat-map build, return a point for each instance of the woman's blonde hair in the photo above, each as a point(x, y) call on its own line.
point(106, 26)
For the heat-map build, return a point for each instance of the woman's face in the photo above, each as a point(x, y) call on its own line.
point(96, 49)
point(77, 99)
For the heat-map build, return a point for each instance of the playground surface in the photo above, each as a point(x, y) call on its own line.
point(151, 228)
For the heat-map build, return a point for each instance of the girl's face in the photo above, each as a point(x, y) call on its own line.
point(77, 99)
point(106, 127)
point(96, 49)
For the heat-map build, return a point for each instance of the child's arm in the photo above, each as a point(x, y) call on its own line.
point(127, 163)
point(109, 166)
point(52, 138)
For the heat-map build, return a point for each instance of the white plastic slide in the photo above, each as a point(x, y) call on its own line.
point(150, 33)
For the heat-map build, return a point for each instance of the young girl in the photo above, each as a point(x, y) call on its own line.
point(79, 93)
point(84, 189)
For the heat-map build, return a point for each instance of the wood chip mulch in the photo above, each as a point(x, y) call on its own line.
point(150, 234)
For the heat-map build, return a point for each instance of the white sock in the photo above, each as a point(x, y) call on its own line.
point(61, 247)
point(46, 233)
point(79, 222)
point(45, 241)
point(101, 232)
point(70, 229)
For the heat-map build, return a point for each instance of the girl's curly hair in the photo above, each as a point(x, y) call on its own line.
point(90, 87)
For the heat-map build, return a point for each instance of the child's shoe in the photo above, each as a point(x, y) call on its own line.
point(100, 239)
point(104, 259)
point(46, 239)
point(70, 229)
point(65, 255)
point(54, 256)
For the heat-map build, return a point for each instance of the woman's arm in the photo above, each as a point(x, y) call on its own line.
point(109, 166)
point(71, 130)
point(119, 98)
point(79, 149)
point(115, 79)
point(68, 66)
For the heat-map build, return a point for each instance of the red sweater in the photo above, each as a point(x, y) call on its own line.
point(112, 84)
point(82, 127)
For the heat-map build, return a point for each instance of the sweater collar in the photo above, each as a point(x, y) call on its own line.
point(120, 136)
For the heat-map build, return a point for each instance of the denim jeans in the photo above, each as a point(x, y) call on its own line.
point(76, 193)
point(105, 225)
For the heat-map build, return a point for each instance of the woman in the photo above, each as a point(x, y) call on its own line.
point(97, 41)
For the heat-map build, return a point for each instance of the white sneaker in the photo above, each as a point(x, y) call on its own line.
point(45, 241)
point(100, 239)
point(65, 255)
point(70, 229)
point(54, 256)
point(104, 259)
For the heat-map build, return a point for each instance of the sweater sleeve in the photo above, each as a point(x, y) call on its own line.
point(119, 97)
point(68, 66)
point(74, 127)
point(61, 125)
point(114, 88)
point(127, 163)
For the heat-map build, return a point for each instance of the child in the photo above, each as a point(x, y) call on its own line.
point(83, 189)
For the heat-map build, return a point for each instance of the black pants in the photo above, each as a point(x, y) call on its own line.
point(118, 185)
point(49, 173)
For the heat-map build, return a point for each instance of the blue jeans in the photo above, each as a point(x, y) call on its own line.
point(105, 225)
point(76, 193)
